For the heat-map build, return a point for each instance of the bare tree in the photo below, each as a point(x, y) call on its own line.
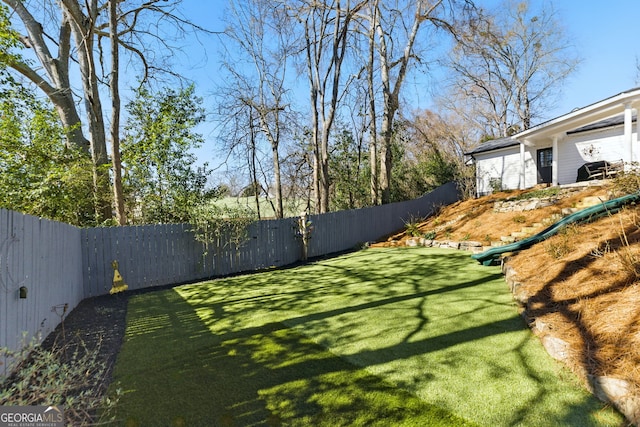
point(258, 31)
point(508, 66)
point(53, 79)
point(443, 138)
point(397, 26)
point(326, 25)
point(374, 186)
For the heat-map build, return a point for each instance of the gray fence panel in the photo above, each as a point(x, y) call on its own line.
point(344, 230)
point(152, 255)
point(45, 258)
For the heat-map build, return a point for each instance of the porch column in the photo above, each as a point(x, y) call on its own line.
point(522, 166)
point(628, 130)
point(554, 161)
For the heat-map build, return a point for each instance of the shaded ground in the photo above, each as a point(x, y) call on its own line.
point(97, 322)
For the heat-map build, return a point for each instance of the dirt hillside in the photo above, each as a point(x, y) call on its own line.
point(579, 290)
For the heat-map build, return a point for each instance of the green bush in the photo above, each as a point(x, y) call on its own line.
point(69, 375)
point(627, 182)
point(412, 226)
point(430, 235)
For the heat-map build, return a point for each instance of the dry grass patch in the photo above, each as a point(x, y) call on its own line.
point(475, 219)
point(590, 297)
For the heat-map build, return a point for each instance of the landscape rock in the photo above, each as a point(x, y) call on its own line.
point(412, 242)
point(556, 347)
point(540, 326)
point(618, 392)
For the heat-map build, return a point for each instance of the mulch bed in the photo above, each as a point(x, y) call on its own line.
point(97, 323)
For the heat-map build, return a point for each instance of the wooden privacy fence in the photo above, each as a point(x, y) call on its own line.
point(60, 264)
point(157, 255)
point(40, 276)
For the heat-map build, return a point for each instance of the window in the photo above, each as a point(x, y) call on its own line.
point(545, 158)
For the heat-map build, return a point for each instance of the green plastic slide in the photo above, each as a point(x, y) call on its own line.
point(489, 256)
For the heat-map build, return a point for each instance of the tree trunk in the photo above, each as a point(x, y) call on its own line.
point(324, 67)
point(82, 29)
point(277, 181)
point(373, 130)
point(313, 97)
point(57, 88)
point(118, 196)
point(391, 92)
point(324, 171)
point(252, 165)
point(386, 158)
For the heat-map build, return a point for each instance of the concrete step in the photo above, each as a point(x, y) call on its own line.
point(507, 239)
point(530, 230)
point(467, 244)
point(591, 201)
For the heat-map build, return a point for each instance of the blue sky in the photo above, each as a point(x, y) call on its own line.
point(605, 35)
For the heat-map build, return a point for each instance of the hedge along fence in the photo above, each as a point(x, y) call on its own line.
point(58, 264)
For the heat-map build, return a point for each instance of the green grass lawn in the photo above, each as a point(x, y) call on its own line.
point(292, 207)
point(378, 337)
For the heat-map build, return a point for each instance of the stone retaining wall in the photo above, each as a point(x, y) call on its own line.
point(465, 245)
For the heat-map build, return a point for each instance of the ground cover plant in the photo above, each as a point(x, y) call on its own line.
point(382, 336)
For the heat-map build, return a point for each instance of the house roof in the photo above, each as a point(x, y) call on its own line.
point(602, 124)
point(494, 144)
point(602, 114)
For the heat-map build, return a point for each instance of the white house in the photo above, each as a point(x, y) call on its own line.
point(552, 152)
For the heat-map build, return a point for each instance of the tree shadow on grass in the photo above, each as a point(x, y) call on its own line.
point(176, 372)
point(213, 355)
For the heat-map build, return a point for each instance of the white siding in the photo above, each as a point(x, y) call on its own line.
point(576, 150)
point(636, 146)
point(503, 166)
